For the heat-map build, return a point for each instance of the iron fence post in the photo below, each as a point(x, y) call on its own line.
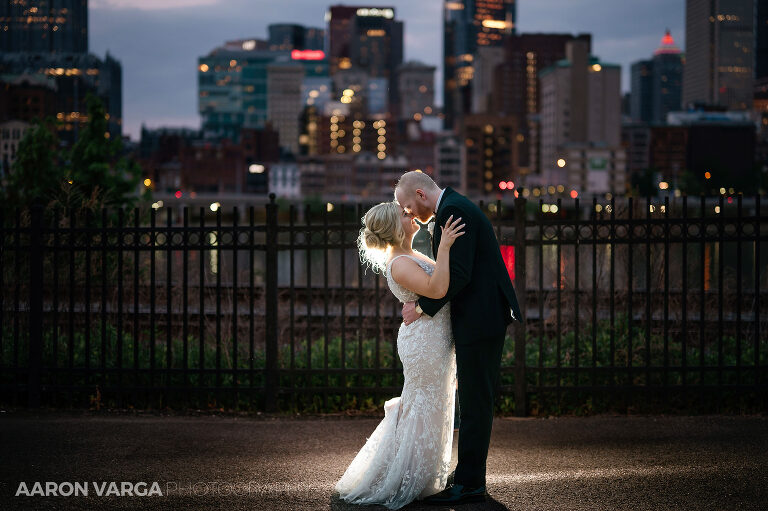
point(521, 406)
point(35, 305)
point(272, 380)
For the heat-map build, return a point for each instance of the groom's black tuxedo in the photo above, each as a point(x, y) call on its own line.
point(480, 291)
point(481, 296)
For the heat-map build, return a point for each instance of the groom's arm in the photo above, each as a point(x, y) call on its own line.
point(461, 261)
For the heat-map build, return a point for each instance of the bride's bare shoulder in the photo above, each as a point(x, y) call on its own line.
point(400, 267)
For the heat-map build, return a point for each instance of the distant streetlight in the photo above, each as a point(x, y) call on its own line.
point(255, 168)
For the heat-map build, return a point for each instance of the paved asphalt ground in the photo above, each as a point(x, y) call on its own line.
point(241, 463)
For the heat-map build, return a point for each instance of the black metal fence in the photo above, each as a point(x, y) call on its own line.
point(629, 305)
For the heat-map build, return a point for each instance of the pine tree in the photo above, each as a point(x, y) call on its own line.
point(96, 166)
point(36, 173)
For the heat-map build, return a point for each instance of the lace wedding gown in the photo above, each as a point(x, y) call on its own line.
point(408, 456)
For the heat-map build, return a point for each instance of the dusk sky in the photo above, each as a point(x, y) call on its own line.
point(159, 41)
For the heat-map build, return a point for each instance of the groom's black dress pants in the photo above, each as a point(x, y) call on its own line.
point(477, 366)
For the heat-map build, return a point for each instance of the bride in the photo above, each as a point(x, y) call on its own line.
point(408, 455)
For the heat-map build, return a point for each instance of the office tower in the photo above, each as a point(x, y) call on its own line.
point(417, 90)
point(233, 85)
point(284, 103)
point(516, 89)
point(761, 40)
point(667, 79)
point(367, 40)
point(641, 98)
point(44, 26)
point(657, 83)
point(581, 123)
point(285, 36)
point(467, 26)
point(364, 37)
point(719, 60)
point(314, 38)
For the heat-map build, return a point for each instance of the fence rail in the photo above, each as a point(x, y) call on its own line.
point(628, 305)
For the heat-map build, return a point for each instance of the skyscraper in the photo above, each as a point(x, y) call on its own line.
point(581, 124)
point(720, 56)
point(657, 83)
point(641, 98)
point(761, 41)
point(44, 26)
point(367, 40)
point(516, 89)
point(284, 105)
point(364, 37)
point(286, 36)
point(467, 26)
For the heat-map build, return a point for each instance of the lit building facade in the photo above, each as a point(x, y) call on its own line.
point(490, 152)
point(233, 85)
point(73, 76)
point(719, 60)
point(44, 26)
point(467, 26)
point(365, 37)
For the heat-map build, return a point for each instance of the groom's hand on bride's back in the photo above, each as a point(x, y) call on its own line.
point(409, 313)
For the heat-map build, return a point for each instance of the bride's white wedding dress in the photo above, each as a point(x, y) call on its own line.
point(408, 456)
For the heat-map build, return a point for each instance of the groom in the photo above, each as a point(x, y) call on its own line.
point(483, 303)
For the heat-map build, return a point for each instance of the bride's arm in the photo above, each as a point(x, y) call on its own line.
point(411, 276)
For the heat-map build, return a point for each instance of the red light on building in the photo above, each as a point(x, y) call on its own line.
point(574, 194)
point(307, 54)
point(503, 185)
point(178, 194)
point(510, 185)
point(730, 200)
point(508, 255)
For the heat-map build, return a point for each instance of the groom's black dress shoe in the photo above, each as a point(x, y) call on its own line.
point(458, 494)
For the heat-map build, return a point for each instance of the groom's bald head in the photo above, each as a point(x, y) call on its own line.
point(415, 180)
point(417, 194)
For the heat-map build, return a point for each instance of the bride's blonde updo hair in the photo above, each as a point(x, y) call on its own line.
point(381, 231)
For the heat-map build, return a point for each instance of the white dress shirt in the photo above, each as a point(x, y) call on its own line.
point(437, 204)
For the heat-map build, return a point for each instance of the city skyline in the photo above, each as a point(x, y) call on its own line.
point(160, 85)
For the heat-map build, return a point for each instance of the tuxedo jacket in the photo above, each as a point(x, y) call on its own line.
point(483, 300)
